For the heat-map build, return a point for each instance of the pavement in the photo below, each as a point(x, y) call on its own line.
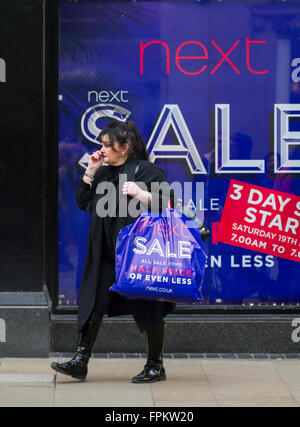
point(191, 382)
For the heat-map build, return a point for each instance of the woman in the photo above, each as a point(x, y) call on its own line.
point(124, 152)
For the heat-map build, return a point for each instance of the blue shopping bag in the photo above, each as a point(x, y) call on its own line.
point(160, 257)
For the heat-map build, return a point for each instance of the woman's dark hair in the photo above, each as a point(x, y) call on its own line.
point(125, 133)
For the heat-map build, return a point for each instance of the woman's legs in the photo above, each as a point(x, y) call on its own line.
point(154, 369)
point(77, 366)
point(155, 342)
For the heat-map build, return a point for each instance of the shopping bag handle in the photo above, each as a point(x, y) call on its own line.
point(204, 231)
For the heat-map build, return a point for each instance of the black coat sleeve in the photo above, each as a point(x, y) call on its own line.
point(85, 192)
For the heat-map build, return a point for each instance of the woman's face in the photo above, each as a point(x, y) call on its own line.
point(112, 153)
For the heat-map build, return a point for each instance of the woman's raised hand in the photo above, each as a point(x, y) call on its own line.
point(95, 161)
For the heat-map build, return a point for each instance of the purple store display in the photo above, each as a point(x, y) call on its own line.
point(214, 88)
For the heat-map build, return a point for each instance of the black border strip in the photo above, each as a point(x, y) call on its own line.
point(50, 127)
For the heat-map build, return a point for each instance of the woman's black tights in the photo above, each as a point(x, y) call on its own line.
point(155, 342)
point(155, 337)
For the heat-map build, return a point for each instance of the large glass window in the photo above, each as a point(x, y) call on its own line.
point(202, 80)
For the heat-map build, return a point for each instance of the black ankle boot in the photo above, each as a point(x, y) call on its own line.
point(153, 370)
point(77, 366)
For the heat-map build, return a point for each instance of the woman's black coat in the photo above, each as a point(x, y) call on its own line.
point(145, 312)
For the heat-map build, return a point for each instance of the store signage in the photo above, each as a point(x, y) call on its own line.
point(179, 56)
point(172, 118)
point(2, 71)
point(261, 219)
point(2, 330)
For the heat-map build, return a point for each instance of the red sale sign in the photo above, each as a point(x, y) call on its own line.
point(261, 219)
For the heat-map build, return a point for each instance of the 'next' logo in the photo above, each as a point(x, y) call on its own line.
point(179, 56)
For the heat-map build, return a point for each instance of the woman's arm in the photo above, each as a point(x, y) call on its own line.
point(159, 191)
point(84, 194)
point(133, 190)
point(86, 186)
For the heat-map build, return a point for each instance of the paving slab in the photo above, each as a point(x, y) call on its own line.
point(26, 378)
point(108, 384)
point(169, 404)
point(247, 383)
point(38, 366)
point(186, 385)
point(289, 372)
point(26, 396)
point(27, 372)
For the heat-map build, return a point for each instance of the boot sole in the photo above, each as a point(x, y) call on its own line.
point(149, 381)
point(61, 371)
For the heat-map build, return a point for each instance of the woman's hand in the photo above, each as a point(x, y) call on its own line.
point(131, 189)
point(95, 161)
